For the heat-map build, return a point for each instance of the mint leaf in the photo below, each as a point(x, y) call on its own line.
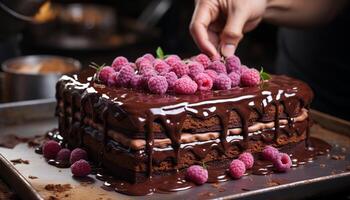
point(263, 75)
point(160, 53)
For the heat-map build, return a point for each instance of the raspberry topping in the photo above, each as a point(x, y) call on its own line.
point(282, 162)
point(81, 168)
point(213, 75)
point(161, 66)
point(136, 82)
point(218, 66)
point(222, 82)
point(270, 153)
point(204, 82)
point(185, 86)
point(197, 174)
point(50, 149)
point(171, 78)
point(195, 68)
point(77, 154)
point(237, 169)
point(104, 74)
point(248, 159)
point(233, 64)
point(119, 62)
point(250, 77)
point(125, 75)
point(172, 59)
point(235, 79)
point(63, 155)
point(158, 84)
point(203, 59)
point(180, 68)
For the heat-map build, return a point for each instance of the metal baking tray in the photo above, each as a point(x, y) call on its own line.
point(322, 176)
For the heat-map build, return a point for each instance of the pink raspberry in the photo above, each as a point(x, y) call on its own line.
point(171, 78)
point(172, 59)
point(141, 62)
point(180, 68)
point(158, 85)
point(185, 86)
point(63, 155)
point(203, 59)
point(218, 66)
point(161, 66)
point(112, 79)
point(250, 77)
point(136, 82)
point(146, 76)
point(248, 159)
point(282, 162)
point(237, 169)
point(197, 174)
point(149, 57)
point(104, 73)
point(80, 168)
point(125, 75)
point(222, 82)
point(144, 68)
point(243, 68)
point(77, 154)
point(195, 68)
point(270, 153)
point(213, 75)
point(235, 78)
point(204, 82)
point(119, 62)
point(233, 64)
point(50, 149)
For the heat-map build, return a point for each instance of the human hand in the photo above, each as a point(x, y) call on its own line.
point(217, 26)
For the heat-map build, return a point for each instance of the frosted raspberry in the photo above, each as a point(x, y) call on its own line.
point(125, 75)
point(203, 59)
point(270, 153)
point(222, 82)
point(180, 68)
point(149, 57)
point(158, 85)
point(218, 66)
point(235, 79)
point(237, 169)
point(250, 77)
point(204, 82)
point(104, 73)
point(50, 149)
point(112, 79)
point(144, 68)
point(141, 62)
point(161, 66)
point(146, 76)
point(197, 174)
point(171, 78)
point(195, 68)
point(136, 82)
point(80, 168)
point(185, 86)
point(172, 59)
point(233, 64)
point(282, 162)
point(213, 75)
point(119, 62)
point(63, 155)
point(248, 159)
point(243, 68)
point(77, 154)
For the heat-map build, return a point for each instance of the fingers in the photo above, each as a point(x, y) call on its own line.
point(232, 32)
point(199, 29)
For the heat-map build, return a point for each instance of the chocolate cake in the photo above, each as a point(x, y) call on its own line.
point(136, 135)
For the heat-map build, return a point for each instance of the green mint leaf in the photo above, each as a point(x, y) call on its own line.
point(160, 53)
point(263, 75)
point(97, 67)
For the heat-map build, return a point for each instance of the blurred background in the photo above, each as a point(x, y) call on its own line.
point(98, 31)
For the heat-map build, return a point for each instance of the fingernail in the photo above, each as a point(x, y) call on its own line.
point(228, 50)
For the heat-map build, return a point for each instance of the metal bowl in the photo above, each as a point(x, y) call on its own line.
point(35, 76)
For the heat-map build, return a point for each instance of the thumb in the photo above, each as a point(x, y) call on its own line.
point(232, 32)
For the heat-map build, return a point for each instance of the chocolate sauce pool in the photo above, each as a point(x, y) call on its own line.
point(300, 154)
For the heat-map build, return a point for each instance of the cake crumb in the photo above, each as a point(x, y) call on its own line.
point(338, 157)
point(322, 165)
point(32, 177)
point(206, 194)
point(58, 187)
point(19, 161)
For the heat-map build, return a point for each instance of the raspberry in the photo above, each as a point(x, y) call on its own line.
point(104, 73)
point(282, 162)
point(119, 62)
point(146, 76)
point(141, 62)
point(248, 159)
point(233, 64)
point(235, 78)
point(81, 168)
point(112, 79)
point(63, 155)
point(185, 86)
point(218, 66)
point(204, 82)
point(50, 149)
point(180, 68)
point(250, 77)
point(136, 82)
point(125, 75)
point(203, 59)
point(243, 68)
point(161, 66)
point(144, 68)
point(237, 169)
point(197, 174)
point(195, 68)
point(158, 85)
point(172, 59)
point(149, 57)
point(270, 153)
point(170, 78)
point(77, 154)
point(222, 82)
point(213, 75)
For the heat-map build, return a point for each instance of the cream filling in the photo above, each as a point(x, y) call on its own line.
point(187, 138)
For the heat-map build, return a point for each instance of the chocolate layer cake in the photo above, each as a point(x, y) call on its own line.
point(135, 134)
